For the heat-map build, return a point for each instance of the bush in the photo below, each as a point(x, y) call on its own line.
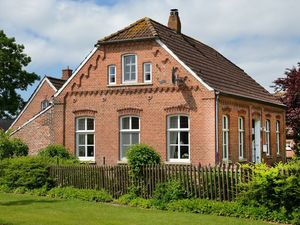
point(24, 172)
point(271, 188)
point(81, 194)
point(140, 155)
point(167, 192)
point(10, 147)
point(54, 150)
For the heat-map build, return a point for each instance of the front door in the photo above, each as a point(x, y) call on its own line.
point(256, 155)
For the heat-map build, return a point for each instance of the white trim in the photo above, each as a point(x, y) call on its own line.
point(136, 70)
point(144, 72)
point(184, 65)
point(33, 118)
point(225, 137)
point(241, 133)
point(109, 74)
point(45, 79)
point(76, 71)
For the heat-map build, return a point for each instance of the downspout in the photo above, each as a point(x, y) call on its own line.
point(217, 126)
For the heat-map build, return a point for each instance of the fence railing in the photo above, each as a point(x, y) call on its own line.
point(210, 182)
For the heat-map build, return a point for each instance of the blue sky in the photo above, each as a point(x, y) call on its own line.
point(260, 36)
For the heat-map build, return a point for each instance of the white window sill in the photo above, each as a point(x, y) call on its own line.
point(87, 159)
point(122, 162)
point(128, 84)
point(178, 162)
point(242, 160)
point(226, 161)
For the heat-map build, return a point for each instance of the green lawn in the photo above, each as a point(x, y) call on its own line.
point(26, 209)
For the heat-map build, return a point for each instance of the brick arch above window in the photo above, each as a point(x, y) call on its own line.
point(84, 112)
point(242, 112)
point(129, 111)
point(256, 115)
point(278, 117)
point(179, 109)
point(268, 115)
point(226, 109)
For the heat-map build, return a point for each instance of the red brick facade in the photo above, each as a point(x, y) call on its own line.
point(88, 94)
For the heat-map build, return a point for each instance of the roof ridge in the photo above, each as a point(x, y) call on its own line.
point(124, 29)
point(54, 78)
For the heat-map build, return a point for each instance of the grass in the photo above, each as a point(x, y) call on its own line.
point(30, 210)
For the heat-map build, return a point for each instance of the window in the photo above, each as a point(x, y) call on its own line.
point(129, 134)
point(44, 104)
point(129, 69)
point(178, 138)
point(112, 74)
point(225, 137)
point(278, 137)
point(85, 138)
point(241, 137)
point(147, 72)
point(268, 137)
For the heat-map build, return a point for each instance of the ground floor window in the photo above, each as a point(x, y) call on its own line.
point(225, 132)
point(278, 137)
point(129, 133)
point(241, 137)
point(85, 138)
point(178, 138)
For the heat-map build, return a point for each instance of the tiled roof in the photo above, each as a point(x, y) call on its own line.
point(57, 83)
point(212, 67)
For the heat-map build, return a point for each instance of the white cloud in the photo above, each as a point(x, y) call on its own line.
point(260, 36)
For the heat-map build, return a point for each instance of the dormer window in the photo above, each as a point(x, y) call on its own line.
point(129, 69)
point(147, 72)
point(112, 74)
point(44, 104)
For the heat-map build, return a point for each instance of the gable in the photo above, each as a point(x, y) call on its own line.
point(44, 91)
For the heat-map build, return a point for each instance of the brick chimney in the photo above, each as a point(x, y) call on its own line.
point(174, 21)
point(66, 73)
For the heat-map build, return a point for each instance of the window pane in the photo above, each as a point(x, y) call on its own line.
point(81, 151)
point(134, 123)
point(90, 124)
point(125, 123)
point(124, 151)
point(133, 69)
point(81, 124)
point(174, 122)
point(126, 76)
point(184, 122)
point(173, 152)
point(127, 59)
point(148, 77)
point(147, 67)
point(81, 139)
point(112, 70)
point(184, 137)
point(134, 138)
point(184, 152)
point(173, 137)
point(90, 139)
point(112, 79)
point(90, 151)
point(132, 58)
point(125, 139)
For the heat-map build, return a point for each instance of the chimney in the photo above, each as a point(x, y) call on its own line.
point(66, 73)
point(174, 21)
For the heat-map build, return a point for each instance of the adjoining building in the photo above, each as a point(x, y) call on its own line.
point(150, 83)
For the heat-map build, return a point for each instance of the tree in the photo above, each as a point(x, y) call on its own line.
point(13, 76)
point(289, 87)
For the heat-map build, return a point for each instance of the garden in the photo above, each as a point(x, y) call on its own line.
point(54, 186)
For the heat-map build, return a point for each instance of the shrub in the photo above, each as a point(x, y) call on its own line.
point(167, 192)
point(271, 188)
point(10, 147)
point(54, 150)
point(81, 194)
point(140, 155)
point(24, 172)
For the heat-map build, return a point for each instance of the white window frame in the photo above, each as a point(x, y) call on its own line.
point(144, 71)
point(179, 130)
point(241, 132)
point(225, 136)
point(268, 124)
point(123, 70)
point(110, 75)
point(278, 137)
point(130, 131)
point(85, 132)
point(44, 104)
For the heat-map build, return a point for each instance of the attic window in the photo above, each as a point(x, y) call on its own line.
point(129, 66)
point(44, 104)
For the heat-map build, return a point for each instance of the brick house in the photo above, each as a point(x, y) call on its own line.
point(149, 83)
